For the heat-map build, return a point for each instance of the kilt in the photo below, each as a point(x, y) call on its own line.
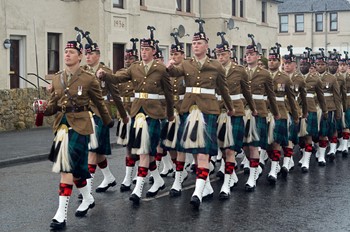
point(328, 126)
point(102, 135)
point(153, 131)
point(182, 119)
point(163, 123)
point(293, 132)
point(237, 132)
point(339, 126)
point(280, 133)
point(210, 137)
point(347, 118)
point(312, 124)
point(78, 152)
point(262, 129)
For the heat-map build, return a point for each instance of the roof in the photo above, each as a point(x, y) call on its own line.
point(308, 6)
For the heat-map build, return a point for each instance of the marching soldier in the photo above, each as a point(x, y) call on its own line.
point(177, 54)
point(331, 91)
point(298, 87)
point(127, 95)
point(261, 87)
point(97, 156)
point(237, 81)
point(72, 90)
point(343, 147)
point(283, 90)
point(149, 78)
point(315, 100)
point(200, 107)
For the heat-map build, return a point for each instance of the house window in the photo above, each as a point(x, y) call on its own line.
point(283, 23)
point(319, 22)
point(188, 50)
point(333, 21)
point(53, 52)
point(263, 11)
point(118, 4)
point(241, 8)
point(142, 2)
point(234, 8)
point(188, 6)
point(179, 5)
point(299, 23)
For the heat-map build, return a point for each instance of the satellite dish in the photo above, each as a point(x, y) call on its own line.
point(230, 24)
point(181, 31)
point(258, 46)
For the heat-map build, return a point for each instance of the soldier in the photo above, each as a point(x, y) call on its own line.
point(72, 90)
point(237, 81)
point(315, 100)
point(333, 69)
point(200, 107)
point(298, 87)
point(149, 79)
point(97, 156)
point(261, 87)
point(331, 91)
point(344, 142)
point(283, 90)
point(177, 54)
point(127, 94)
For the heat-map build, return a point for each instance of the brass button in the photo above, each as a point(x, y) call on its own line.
point(67, 88)
point(197, 83)
point(144, 82)
point(128, 86)
point(199, 71)
point(174, 85)
point(65, 102)
point(198, 77)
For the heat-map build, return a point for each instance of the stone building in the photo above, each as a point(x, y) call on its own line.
point(315, 24)
point(37, 30)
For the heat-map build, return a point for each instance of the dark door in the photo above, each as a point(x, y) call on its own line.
point(118, 57)
point(14, 64)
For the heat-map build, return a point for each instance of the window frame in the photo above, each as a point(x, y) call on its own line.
point(297, 23)
point(318, 22)
point(120, 5)
point(333, 21)
point(53, 51)
point(241, 8)
point(263, 11)
point(234, 8)
point(179, 8)
point(287, 23)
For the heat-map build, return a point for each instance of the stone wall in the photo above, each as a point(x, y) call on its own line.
point(16, 109)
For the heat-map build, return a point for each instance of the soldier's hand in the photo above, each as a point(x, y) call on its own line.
point(325, 115)
point(126, 120)
point(172, 118)
point(305, 115)
point(296, 121)
point(278, 116)
point(170, 64)
point(255, 113)
point(231, 112)
point(111, 124)
point(101, 73)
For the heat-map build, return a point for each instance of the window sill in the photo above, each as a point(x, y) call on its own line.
point(283, 33)
point(299, 33)
point(143, 7)
point(182, 13)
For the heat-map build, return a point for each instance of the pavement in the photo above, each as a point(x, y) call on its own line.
point(30, 145)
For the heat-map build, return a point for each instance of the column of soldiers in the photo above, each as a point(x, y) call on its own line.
point(194, 106)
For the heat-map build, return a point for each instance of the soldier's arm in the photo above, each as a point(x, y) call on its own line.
point(119, 77)
point(271, 95)
point(246, 90)
point(51, 108)
point(176, 70)
point(95, 94)
point(168, 93)
point(337, 99)
point(320, 97)
point(303, 93)
point(223, 88)
point(291, 99)
point(343, 94)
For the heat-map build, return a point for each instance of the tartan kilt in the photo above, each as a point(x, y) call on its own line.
point(339, 126)
point(347, 118)
point(280, 133)
point(78, 152)
point(294, 131)
point(328, 126)
point(312, 124)
point(163, 123)
point(154, 134)
point(182, 119)
point(262, 129)
point(102, 135)
point(210, 137)
point(237, 132)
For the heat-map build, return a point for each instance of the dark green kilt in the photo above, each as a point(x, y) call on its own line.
point(262, 129)
point(102, 135)
point(339, 125)
point(280, 133)
point(328, 126)
point(312, 124)
point(154, 133)
point(78, 152)
point(294, 131)
point(170, 148)
point(237, 132)
point(210, 137)
point(163, 129)
point(347, 118)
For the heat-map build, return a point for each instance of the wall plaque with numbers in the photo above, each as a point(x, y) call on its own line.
point(119, 23)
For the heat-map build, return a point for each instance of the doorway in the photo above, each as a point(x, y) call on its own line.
point(14, 64)
point(118, 57)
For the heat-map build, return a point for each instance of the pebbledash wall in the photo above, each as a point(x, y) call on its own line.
point(16, 111)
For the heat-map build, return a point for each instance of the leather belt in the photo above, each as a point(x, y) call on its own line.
point(199, 90)
point(127, 99)
point(72, 109)
point(178, 97)
point(233, 97)
point(149, 96)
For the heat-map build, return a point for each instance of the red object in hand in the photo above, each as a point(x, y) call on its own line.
point(39, 106)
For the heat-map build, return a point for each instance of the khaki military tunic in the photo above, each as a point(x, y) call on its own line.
point(331, 92)
point(314, 93)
